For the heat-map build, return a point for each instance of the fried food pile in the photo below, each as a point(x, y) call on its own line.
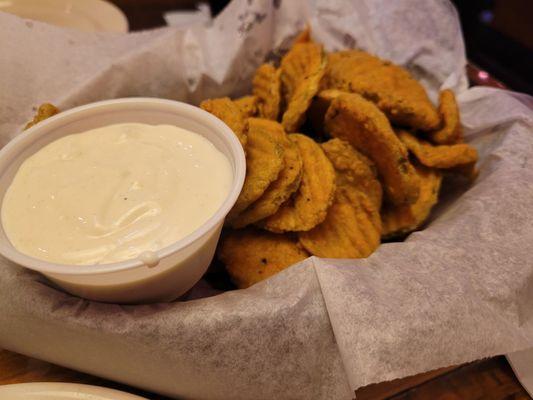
point(343, 150)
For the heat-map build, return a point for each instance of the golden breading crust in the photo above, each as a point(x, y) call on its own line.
point(44, 111)
point(352, 228)
point(443, 156)
point(302, 69)
point(304, 36)
point(364, 126)
point(404, 219)
point(226, 110)
point(308, 207)
point(354, 169)
point(267, 87)
point(251, 255)
point(451, 131)
point(264, 162)
point(248, 105)
point(282, 188)
point(389, 86)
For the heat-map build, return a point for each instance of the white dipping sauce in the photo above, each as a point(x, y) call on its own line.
point(112, 193)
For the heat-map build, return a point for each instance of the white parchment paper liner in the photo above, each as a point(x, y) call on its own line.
point(459, 290)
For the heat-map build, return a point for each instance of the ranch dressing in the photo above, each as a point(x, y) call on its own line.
point(113, 193)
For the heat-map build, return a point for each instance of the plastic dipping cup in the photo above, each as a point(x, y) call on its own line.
point(158, 276)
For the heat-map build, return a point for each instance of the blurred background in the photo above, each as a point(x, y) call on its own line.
point(499, 39)
point(498, 34)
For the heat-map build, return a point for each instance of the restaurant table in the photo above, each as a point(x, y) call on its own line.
point(491, 378)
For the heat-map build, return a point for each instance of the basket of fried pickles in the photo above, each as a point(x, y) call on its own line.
point(343, 151)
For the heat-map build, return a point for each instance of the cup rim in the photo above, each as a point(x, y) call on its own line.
point(236, 150)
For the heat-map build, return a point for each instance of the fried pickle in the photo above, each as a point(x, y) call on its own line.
point(352, 228)
point(302, 69)
point(267, 87)
point(248, 105)
point(251, 255)
point(451, 131)
point(282, 188)
point(44, 111)
point(364, 126)
point(399, 220)
point(441, 156)
point(389, 86)
point(354, 169)
point(226, 110)
point(309, 205)
point(304, 36)
point(264, 162)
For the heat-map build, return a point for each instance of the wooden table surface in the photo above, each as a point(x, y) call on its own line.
point(486, 379)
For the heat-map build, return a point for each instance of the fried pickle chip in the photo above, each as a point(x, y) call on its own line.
point(302, 69)
point(251, 255)
point(451, 131)
point(248, 105)
point(282, 188)
point(304, 36)
point(441, 156)
point(352, 228)
point(267, 87)
point(264, 162)
point(308, 207)
point(389, 86)
point(399, 220)
point(226, 110)
point(364, 126)
point(44, 111)
point(354, 169)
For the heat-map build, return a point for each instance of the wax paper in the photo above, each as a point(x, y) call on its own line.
point(459, 290)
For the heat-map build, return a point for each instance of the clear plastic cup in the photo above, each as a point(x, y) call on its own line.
point(165, 274)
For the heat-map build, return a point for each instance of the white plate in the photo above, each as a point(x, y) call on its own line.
point(85, 15)
point(61, 391)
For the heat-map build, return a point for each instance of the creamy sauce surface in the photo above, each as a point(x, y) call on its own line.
point(112, 193)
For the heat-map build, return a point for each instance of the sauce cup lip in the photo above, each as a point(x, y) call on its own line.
point(12, 254)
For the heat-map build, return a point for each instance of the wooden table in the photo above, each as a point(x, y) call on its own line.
point(488, 379)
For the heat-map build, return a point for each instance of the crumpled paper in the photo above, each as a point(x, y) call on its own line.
point(460, 290)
